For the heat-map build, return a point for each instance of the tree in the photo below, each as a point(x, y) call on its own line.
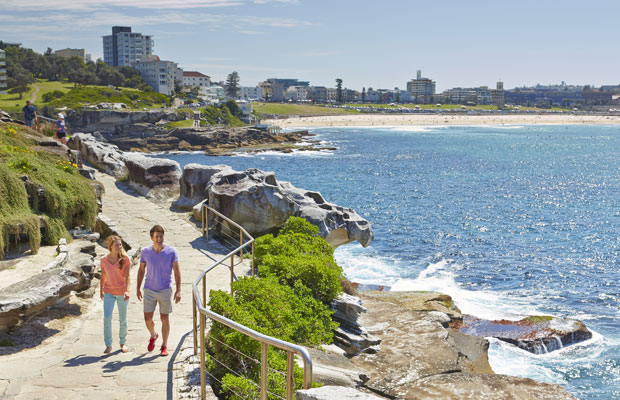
point(232, 85)
point(233, 107)
point(363, 94)
point(339, 90)
point(398, 97)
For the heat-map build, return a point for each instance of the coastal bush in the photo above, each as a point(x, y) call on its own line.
point(54, 94)
point(298, 253)
point(69, 199)
point(289, 313)
point(79, 97)
point(216, 115)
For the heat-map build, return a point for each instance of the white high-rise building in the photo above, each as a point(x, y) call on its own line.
point(158, 74)
point(3, 75)
point(124, 47)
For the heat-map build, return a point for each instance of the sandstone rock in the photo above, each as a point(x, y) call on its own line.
point(194, 183)
point(338, 225)
point(351, 336)
point(414, 344)
point(256, 200)
point(334, 393)
point(462, 386)
point(28, 297)
point(331, 367)
point(104, 156)
point(153, 177)
point(106, 227)
point(537, 334)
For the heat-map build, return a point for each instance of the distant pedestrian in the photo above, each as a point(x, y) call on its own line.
point(61, 129)
point(114, 289)
point(160, 261)
point(29, 114)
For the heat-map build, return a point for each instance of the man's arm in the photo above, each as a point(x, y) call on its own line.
point(177, 281)
point(139, 281)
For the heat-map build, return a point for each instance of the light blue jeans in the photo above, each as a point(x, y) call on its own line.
point(108, 308)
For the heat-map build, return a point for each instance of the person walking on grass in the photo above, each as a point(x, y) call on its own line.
point(159, 260)
point(114, 289)
point(29, 114)
point(61, 129)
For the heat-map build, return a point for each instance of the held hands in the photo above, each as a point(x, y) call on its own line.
point(177, 296)
point(101, 295)
point(139, 294)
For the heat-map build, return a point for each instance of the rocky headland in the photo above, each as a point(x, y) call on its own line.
point(396, 345)
point(146, 131)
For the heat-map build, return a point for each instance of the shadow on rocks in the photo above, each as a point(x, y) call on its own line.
point(39, 328)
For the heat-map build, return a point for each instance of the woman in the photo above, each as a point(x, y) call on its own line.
point(114, 288)
point(61, 129)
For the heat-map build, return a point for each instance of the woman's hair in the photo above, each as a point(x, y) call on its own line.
point(110, 241)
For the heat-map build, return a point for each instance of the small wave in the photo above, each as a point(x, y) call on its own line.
point(361, 267)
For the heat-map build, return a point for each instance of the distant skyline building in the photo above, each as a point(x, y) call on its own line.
point(67, 53)
point(124, 48)
point(3, 75)
point(196, 79)
point(421, 89)
point(158, 74)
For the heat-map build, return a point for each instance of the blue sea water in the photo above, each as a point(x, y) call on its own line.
point(508, 220)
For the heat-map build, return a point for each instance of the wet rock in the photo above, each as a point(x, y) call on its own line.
point(536, 334)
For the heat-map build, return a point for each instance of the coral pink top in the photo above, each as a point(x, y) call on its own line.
point(115, 277)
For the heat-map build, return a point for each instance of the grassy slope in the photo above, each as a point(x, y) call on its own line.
point(69, 201)
point(297, 109)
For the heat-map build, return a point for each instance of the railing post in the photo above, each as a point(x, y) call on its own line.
point(194, 327)
point(264, 368)
point(253, 273)
point(232, 271)
point(240, 244)
point(204, 291)
point(203, 376)
point(290, 375)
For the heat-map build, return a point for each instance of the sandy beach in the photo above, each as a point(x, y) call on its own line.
point(443, 119)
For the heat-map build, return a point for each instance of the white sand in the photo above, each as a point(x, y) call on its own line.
point(439, 119)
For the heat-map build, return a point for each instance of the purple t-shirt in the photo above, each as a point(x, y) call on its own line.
point(158, 267)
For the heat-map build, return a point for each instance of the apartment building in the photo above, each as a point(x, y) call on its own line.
point(124, 47)
point(158, 74)
point(422, 89)
point(251, 93)
point(274, 89)
point(196, 79)
point(296, 94)
point(67, 53)
point(3, 75)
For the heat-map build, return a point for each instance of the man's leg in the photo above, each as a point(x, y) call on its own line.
point(165, 328)
point(150, 324)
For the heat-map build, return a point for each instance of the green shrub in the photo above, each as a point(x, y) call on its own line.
point(288, 313)
point(303, 256)
point(55, 94)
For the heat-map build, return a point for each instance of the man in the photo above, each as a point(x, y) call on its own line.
point(29, 114)
point(159, 260)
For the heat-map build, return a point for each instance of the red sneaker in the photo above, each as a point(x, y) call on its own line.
point(151, 345)
point(164, 351)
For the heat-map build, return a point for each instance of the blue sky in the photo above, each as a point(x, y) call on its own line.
point(367, 43)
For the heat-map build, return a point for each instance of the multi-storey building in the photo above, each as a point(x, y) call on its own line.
point(497, 94)
point(124, 47)
point(158, 74)
point(196, 79)
point(274, 88)
point(422, 89)
point(296, 94)
point(251, 93)
point(67, 53)
point(3, 75)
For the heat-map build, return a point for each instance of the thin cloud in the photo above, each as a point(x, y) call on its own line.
point(89, 5)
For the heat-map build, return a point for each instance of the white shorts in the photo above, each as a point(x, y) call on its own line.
point(163, 297)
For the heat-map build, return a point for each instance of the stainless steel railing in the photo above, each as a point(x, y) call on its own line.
point(199, 307)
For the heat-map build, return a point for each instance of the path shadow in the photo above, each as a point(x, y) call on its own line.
point(169, 384)
point(34, 331)
point(127, 189)
point(114, 366)
point(82, 359)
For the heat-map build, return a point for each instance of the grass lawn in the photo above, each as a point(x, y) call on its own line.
point(298, 109)
point(12, 103)
point(480, 107)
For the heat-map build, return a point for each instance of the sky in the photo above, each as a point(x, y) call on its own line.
point(366, 43)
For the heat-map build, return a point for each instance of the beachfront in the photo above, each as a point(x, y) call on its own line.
point(444, 119)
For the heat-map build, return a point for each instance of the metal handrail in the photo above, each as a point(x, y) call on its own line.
point(199, 306)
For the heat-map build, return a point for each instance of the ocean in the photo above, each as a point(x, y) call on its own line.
point(508, 220)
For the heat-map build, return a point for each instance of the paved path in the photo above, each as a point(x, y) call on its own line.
point(70, 364)
point(34, 94)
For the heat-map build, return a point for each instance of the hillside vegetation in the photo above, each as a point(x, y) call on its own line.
point(69, 199)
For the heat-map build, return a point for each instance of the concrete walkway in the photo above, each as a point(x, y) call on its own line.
point(70, 363)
